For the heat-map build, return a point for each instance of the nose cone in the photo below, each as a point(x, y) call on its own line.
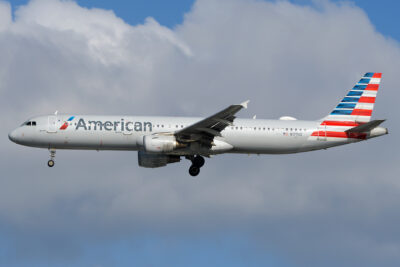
point(13, 136)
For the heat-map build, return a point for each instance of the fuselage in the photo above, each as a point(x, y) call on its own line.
point(248, 136)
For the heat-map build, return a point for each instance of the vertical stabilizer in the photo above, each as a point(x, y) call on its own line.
point(354, 110)
point(358, 104)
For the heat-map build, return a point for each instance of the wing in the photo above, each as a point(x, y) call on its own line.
point(205, 130)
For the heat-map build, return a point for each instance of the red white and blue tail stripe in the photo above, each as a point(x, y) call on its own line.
point(354, 109)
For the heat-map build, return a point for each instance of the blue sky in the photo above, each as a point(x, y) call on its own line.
point(233, 243)
point(383, 14)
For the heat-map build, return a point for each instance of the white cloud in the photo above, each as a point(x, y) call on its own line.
point(288, 59)
point(5, 15)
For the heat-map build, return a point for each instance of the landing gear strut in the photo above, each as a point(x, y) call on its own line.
point(51, 163)
point(197, 163)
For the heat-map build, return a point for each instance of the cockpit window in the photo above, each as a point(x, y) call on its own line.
point(29, 123)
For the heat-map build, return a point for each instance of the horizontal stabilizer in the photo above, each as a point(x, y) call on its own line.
point(365, 127)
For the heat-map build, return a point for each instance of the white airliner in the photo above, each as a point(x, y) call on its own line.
point(163, 140)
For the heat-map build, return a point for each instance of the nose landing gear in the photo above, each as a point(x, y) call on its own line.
point(51, 163)
point(197, 163)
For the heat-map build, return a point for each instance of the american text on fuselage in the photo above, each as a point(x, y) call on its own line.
point(121, 125)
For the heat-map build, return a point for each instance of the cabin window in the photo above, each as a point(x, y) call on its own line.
point(33, 123)
point(287, 129)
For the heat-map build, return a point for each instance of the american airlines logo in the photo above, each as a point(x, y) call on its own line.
point(121, 125)
point(65, 125)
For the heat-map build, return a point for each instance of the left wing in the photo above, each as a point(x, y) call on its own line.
point(205, 130)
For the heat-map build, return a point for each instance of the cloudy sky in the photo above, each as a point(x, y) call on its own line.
point(337, 207)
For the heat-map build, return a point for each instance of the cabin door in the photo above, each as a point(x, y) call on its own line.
point(52, 124)
point(322, 132)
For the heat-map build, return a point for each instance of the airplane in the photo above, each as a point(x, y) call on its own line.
point(164, 140)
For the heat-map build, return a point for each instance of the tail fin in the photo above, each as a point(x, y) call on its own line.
point(356, 107)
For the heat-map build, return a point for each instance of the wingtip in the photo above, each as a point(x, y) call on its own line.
point(245, 103)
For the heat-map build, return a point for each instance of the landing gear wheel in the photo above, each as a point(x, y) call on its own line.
point(50, 163)
point(198, 161)
point(194, 170)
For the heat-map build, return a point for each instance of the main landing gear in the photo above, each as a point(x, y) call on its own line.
point(197, 163)
point(51, 163)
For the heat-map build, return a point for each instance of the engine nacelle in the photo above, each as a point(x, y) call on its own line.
point(149, 160)
point(160, 143)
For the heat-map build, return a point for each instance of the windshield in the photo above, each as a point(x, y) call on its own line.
point(29, 123)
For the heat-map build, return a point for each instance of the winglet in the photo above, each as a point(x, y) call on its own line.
point(244, 104)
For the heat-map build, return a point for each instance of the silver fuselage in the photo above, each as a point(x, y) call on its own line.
point(250, 136)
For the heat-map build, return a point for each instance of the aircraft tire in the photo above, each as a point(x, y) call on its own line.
point(198, 161)
point(194, 170)
point(50, 163)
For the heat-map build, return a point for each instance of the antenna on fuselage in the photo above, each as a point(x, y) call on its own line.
point(55, 113)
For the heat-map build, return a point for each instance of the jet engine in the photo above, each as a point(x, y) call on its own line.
point(160, 143)
point(148, 160)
